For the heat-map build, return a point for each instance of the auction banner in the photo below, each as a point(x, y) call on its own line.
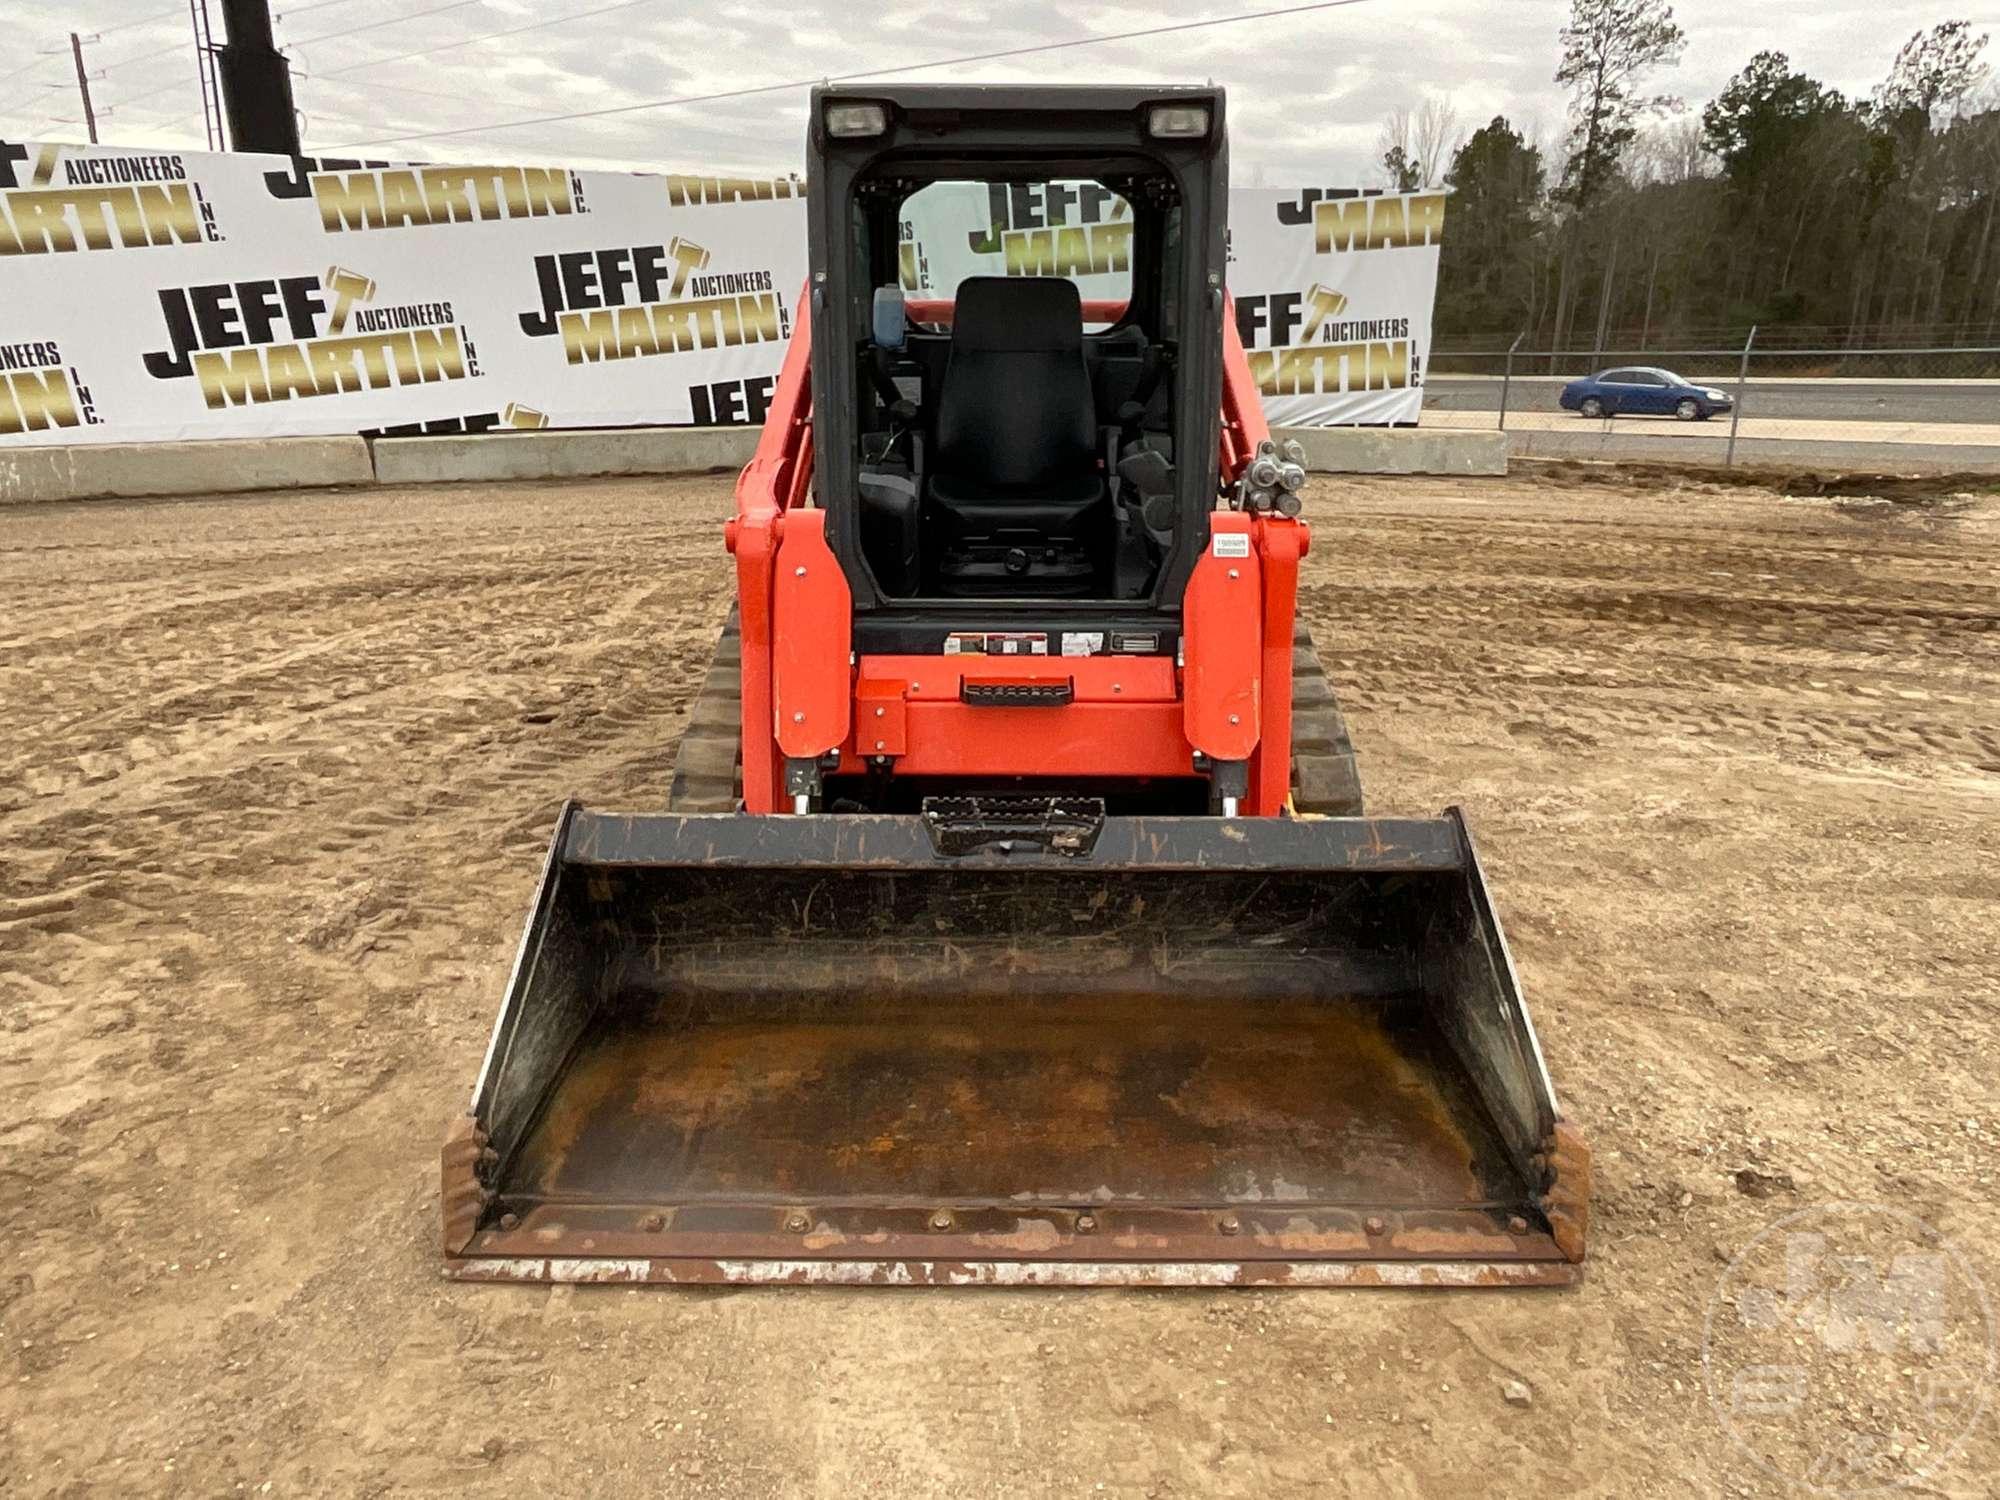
point(1333, 291)
point(154, 296)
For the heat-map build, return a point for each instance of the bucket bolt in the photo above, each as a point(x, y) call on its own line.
point(797, 1222)
point(510, 1221)
point(1229, 1224)
point(1375, 1226)
point(802, 781)
point(941, 1221)
point(1085, 1223)
point(1229, 783)
point(653, 1223)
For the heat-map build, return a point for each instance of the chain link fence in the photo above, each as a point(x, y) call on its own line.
point(1829, 398)
point(1712, 362)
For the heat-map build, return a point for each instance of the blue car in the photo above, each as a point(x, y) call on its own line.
point(1637, 391)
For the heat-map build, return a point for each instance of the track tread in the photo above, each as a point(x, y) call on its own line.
point(1325, 776)
point(708, 764)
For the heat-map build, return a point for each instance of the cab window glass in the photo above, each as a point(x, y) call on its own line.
point(1079, 230)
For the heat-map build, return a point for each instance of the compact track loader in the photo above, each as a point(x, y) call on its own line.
point(1013, 918)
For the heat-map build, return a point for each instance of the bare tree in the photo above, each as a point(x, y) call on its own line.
point(1671, 153)
point(1434, 138)
point(1414, 148)
point(1395, 150)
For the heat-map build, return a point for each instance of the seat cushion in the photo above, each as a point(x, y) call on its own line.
point(1059, 507)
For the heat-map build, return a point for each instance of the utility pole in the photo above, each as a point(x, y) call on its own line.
point(83, 86)
point(257, 82)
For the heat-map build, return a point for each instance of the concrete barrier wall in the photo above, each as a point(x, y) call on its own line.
point(563, 455)
point(90, 471)
point(86, 471)
point(1399, 450)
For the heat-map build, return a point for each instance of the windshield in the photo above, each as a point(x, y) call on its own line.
point(1078, 230)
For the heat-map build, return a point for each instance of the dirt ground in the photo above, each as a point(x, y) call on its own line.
point(276, 775)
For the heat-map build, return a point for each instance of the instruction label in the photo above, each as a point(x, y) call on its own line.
point(997, 643)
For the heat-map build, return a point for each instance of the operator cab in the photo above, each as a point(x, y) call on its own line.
point(1012, 377)
point(1015, 283)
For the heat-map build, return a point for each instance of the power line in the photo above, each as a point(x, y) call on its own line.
point(135, 98)
point(330, 79)
point(375, 62)
point(299, 10)
point(417, 15)
point(312, 118)
point(394, 88)
point(168, 113)
point(126, 62)
point(352, 83)
point(352, 31)
point(40, 62)
point(158, 15)
point(799, 83)
point(182, 10)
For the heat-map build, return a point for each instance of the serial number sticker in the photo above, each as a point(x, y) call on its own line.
point(1231, 544)
point(997, 643)
point(1082, 642)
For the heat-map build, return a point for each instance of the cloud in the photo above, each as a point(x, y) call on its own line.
point(1307, 92)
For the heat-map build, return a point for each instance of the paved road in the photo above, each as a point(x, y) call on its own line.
point(1826, 400)
point(1899, 447)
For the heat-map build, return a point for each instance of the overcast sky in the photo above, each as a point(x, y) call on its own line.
point(1307, 92)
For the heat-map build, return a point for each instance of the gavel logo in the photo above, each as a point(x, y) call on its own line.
point(348, 288)
point(1326, 303)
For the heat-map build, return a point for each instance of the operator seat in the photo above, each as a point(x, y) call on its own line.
point(1018, 502)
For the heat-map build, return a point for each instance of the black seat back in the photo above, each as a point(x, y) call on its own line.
point(1015, 408)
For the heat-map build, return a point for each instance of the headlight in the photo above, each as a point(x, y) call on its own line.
point(1177, 120)
point(847, 121)
point(1716, 395)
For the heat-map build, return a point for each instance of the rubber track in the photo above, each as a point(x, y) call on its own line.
point(708, 775)
point(1325, 778)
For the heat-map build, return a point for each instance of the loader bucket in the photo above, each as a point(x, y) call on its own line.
point(893, 1049)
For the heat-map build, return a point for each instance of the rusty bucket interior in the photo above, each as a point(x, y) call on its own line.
point(815, 1049)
